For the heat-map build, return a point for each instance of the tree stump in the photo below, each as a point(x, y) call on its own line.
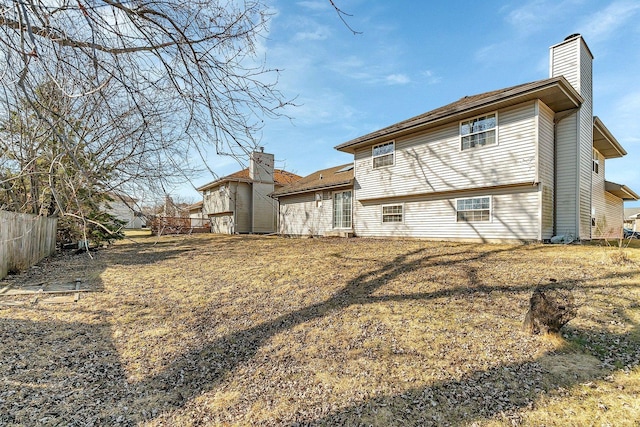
point(549, 310)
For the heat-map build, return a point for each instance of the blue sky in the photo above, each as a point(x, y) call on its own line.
point(414, 56)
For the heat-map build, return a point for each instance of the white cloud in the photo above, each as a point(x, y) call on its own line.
point(320, 33)
point(626, 120)
point(536, 15)
point(314, 5)
point(431, 77)
point(607, 21)
point(397, 79)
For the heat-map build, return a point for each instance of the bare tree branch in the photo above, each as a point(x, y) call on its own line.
point(341, 15)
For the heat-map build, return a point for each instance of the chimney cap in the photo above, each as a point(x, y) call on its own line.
point(572, 36)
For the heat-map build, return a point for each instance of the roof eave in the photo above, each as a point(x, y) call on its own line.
point(605, 142)
point(621, 191)
point(557, 93)
point(276, 195)
point(221, 181)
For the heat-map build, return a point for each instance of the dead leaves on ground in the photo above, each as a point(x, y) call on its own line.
point(246, 330)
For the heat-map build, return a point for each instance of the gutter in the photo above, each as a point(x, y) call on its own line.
point(307, 190)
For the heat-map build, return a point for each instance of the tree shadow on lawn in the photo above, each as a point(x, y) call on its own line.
point(81, 361)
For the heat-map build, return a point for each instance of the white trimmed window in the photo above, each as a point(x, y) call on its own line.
point(383, 154)
point(595, 157)
point(474, 209)
point(392, 213)
point(479, 131)
point(342, 209)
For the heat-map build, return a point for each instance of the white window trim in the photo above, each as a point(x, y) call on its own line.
point(333, 194)
point(393, 154)
point(595, 160)
point(471, 149)
point(474, 197)
point(392, 222)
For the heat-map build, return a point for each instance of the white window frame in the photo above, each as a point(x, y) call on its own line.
point(382, 208)
point(478, 132)
point(385, 155)
point(595, 161)
point(490, 209)
point(333, 205)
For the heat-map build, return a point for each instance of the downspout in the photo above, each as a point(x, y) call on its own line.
point(235, 208)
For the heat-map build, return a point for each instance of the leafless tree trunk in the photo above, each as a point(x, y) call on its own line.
point(105, 95)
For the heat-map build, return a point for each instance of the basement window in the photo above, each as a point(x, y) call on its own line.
point(475, 209)
point(392, 213)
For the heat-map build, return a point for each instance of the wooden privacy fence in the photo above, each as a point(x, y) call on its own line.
point(24, 240)
point(178, 225)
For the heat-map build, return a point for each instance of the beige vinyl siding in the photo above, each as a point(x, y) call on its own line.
point(564, 62)
point(546, 169)
point(214, 201)
point(614, 215)
point(300, 215)
point(598, 201)
point(263, 208)
point(573, 60)
point(222, 224)
point(514, 217)
point(566, 176)
point(433, 161)
point(586, 141)
point(241, 205)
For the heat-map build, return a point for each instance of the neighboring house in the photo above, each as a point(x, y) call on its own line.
point(171, 209)
point(197, 217)
point(318, 205)
point(240, 202)
point(522, 163)
point(125, 208)
point(632, 218)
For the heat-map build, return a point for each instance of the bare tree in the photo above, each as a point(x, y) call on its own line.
point(104, 94)
point(97, 95)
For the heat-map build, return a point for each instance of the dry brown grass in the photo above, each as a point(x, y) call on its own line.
point(249, 330)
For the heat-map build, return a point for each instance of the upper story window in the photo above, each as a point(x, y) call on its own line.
point(475, 209)
point(383, 154)
point(479, 131)
point(595, 161)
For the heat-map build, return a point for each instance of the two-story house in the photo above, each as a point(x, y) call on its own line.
point(522, 163)
point(240, 202)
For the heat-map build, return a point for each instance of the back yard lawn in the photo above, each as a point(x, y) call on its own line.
point(250, 330)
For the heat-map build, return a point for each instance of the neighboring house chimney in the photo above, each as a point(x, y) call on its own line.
point(574, 140)
point(261, 166)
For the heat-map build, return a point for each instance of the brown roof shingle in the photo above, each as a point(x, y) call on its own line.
point(336, 176)
point(280, 178)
